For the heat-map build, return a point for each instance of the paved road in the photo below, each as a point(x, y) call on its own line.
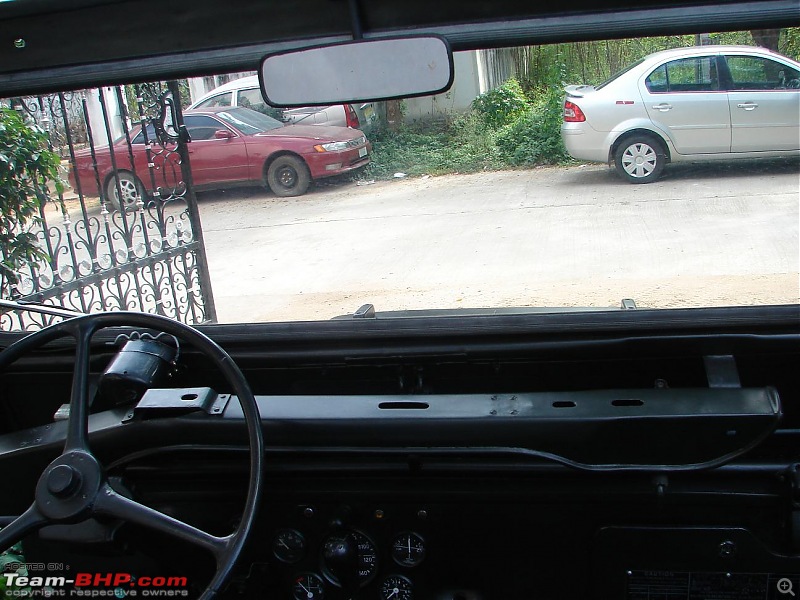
point(712, 234)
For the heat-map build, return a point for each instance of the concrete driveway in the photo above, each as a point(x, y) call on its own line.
point(704, 235)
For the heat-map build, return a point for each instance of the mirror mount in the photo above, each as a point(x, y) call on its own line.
point(355, 19)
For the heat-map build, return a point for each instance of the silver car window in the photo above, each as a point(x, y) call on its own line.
point(757, 73)
point(218, 100)
point(698, 74)
point(251, 98)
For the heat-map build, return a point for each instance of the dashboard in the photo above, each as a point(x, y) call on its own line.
point(615, 466)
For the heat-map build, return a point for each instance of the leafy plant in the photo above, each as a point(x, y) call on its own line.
point(518, 124)
point(26, 168)
point(460, 144)
point(11, 561)
point(535, 137)
point(501, 105)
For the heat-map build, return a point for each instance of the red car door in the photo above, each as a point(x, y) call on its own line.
point(215, 158)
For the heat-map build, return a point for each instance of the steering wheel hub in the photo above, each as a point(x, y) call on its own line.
point(68, 487)
point(63, 480)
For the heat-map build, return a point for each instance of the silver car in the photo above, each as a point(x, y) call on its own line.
point(709, 102)
point(246, 92)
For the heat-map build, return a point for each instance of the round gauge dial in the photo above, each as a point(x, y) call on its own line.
point(349, 556)
point(308, 586)
point(408, 549)
point(396, 587)
point(289, 546)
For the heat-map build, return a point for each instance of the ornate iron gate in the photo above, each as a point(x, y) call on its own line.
point(128, 236)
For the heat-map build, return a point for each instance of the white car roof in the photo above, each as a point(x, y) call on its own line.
point(251, 81)
point(712, 49)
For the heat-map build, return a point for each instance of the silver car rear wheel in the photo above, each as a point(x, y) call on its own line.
point(640, 159)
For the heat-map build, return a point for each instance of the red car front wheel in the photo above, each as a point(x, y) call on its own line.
point(288, 176)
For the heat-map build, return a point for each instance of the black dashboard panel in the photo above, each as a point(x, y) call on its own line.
point(490, 530)
point(389, 451)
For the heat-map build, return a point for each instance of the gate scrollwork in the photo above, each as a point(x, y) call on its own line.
point(102, 255)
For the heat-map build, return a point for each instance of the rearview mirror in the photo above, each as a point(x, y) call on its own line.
point(365, 70)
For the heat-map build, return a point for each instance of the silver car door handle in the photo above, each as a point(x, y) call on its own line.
point(662, 107)
point(747, 105)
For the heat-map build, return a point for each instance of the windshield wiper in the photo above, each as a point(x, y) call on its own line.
point(41, 308)
point(367, 311)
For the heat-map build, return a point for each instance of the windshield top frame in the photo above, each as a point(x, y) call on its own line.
point(160, 54)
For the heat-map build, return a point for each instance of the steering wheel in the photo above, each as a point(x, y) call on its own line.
point(74, 487)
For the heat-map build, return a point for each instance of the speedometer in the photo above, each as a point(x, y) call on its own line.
point(349, 558)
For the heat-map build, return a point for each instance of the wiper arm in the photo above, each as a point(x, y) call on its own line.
point(41, 308)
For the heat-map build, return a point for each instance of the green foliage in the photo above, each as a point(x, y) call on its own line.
point(467, 143)
point(501, 105)
point(9, 560)
point(535, 137)
point(789, 43)
point(461, 144)
point(26, 167)
point(518, 124)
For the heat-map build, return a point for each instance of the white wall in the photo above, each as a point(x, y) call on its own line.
point(466, 87)
point(96, 118)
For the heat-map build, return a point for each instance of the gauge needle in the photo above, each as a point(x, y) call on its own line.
point(395, 591)
point(282, 543)
point(305, 589)
point(409, 548)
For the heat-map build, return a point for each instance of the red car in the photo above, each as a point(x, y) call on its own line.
point(228, 146)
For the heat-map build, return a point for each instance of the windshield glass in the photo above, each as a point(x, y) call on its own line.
point(249, 122)
point(673, 184)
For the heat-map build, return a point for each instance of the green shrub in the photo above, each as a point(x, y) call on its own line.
point(492, 136)
point(460, 144)
point(26, 166)
point(501, 105)
point(535, 136)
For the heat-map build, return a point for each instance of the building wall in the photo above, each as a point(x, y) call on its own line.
point(97, 119)
point(476, 72)
point(466, 86)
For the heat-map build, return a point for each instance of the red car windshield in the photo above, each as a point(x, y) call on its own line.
point(249, 121)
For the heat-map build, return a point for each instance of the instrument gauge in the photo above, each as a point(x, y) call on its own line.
point(308, 586)
point(408, 549)
point(396, 587)
point(349, 556)
point(289, 546)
